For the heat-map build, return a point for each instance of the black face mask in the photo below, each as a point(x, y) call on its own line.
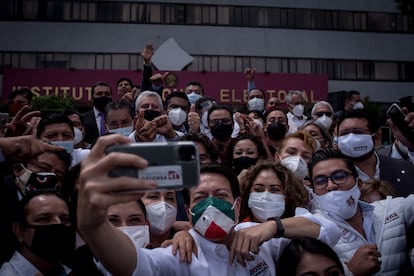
point(221, 132)
point(276, 131)
point(242, 163)
point(150, 114)
point(52, 241)
point(101, 102)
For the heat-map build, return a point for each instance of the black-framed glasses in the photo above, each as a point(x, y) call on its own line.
point(224, 121)
point(338, 178)
point(320, 114)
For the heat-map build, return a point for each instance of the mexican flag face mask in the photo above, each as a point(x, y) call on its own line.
point(213, 218)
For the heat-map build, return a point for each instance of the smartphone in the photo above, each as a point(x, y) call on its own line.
point(397, 117)
point(173, 165)
point(4, 119)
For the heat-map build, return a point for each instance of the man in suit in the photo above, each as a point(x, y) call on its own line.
point(357, 130)
point(95, 118)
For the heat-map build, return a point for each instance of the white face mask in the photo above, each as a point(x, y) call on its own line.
point(265, 205)
point(78, 136)
point(161, 216)
point(355, 145)
point(124, 131)
point(256, 104)
point(358, 105)
point(22, 180)
point(258, 122)
point(342, 204)
point(297, 165)
point(68, 145)
point(325, 121)
point(298, 110)
point(139, 234)
point(177, 116)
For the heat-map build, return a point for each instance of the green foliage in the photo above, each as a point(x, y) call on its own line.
point(53, 103)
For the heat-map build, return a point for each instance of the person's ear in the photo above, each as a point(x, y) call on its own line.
point(18, 231)
point(187, 210)
point(377, 137)
point(17, 169)
point(237, 206)
point(360, 183)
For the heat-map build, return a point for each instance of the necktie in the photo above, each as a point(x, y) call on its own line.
point(102, 130)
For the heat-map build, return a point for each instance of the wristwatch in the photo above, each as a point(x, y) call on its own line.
point(279, 227)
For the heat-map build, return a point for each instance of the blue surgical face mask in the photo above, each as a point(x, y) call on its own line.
point(67, 145)
point(124, 131)
point(193, 97)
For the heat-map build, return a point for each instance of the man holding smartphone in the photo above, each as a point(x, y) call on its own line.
point(215, 199)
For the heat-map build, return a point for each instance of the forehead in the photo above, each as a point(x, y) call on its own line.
point(47, 159)
point(312, 128)
point(62, 127)
point(193, 87)
point(201, 148)
point(273, 99)
point(19, 98)
point(266, 176)
point(326, 167)
point(255, 92)
point(124, 82)
point(322, 107)
point(297, 143)
point(353, 123)
point(210, 182)
point(297, 97)
point(46, 204)
point(276, 114)
point(220, 113)
point(149, 100)
point(178, 101)
point(101, 88)
point(119, 114)
point(245, 143)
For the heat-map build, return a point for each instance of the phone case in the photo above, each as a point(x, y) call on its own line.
point(397, 117)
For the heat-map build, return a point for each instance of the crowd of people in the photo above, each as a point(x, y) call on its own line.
point(280, 192)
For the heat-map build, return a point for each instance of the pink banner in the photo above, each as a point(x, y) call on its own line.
point(226, 88)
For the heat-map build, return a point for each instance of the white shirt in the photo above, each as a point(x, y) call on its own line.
point(294, 122)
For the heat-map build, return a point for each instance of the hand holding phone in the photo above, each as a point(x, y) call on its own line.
point(397, 117)
point(173, 165)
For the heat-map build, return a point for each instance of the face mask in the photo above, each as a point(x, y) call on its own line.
point(150, 114)
point(101, 102)
point(213, 218)
point(78, 136)
point(22, 180)
point(355, 145)
point(258, 122)
point(342, 204)
point(358, 105)
point(297, 165)
point(325, 121)
point(242, 163)
point(298, 110)
point(139, 234)
point(221, 132)
point(67, 145)
point(276, 131)
point(161, 216)
point(124, 131)
point(256, 104)
point(52, 241)
point(204, 118)
point(177, 116)
point(15, 107)
point(193, 97)
point(265, 205)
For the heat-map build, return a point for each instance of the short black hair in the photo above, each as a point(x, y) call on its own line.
point(100, 83)
point(176, 94)
point(119, 104)
point(193, 82)
point(328, 154)
point(53, 118)
point(203, 139)
point(373, 122)
point(124, 79)
point(297, 248)
point(222, 170)
point(25, 92)
point(349, 94)
point(219, 107)
point(68, 112)
point(261, 152)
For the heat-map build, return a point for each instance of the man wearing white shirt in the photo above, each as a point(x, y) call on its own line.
point(296, 106)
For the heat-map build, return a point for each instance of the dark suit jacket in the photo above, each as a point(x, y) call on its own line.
point(399, 173)
point(91, 129)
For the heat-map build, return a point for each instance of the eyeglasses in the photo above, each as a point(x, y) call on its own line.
point(338, 178)
point(224, 121)
point(320, 114)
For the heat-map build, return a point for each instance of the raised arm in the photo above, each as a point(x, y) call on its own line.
point(97, 192)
